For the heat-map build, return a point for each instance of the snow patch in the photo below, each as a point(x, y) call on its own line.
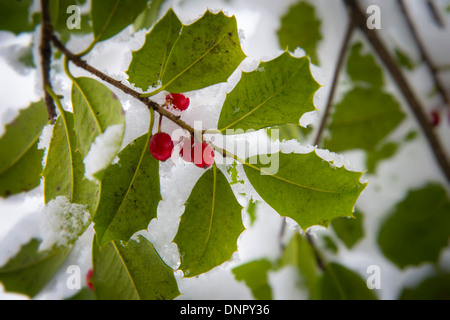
point(103, 150)
point(44, 141)
point(62, 222)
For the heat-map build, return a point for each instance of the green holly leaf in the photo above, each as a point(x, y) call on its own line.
point(433, 288)
point(149, 16)
point(288, 132)
point(206, 52)
point(254, 274)
point(83, 294)
point(403, 59)
point(304, 187)
point(31, 269)
point(130, 194)
point(109, 17)
point(97, 112)
point(362, 120)
point(59, 17)
point(349, 230)
point(15, 16)
point(64, 170)
point(363, 68)
point(131, 272)
point(148, 63)
point(20, 160)
point(381, 153)
point(417, 229)
point(300, 254)
point(278, 92)
point(300, 27)
point(209, 227)
point(340, 283)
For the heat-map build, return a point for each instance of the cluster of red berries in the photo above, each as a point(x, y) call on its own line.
point(161, 144)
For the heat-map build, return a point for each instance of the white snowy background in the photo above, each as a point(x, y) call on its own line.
point(412, 166)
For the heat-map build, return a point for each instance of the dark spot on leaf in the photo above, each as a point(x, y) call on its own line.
point(7, 193)
point(58, 188)
point(230, 34)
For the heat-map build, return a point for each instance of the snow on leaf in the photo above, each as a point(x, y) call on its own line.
point(62, 223)
point(103, 150)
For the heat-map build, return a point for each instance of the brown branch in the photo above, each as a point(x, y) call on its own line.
point(46, 54)
point(416, 107)
point(424, 53)
point(341, 59)
point(435, 14)
point(119, 85)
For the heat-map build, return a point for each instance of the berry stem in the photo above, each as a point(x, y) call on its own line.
point(160, 122)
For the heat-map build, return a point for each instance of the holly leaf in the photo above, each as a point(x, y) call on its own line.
point(404, 60)
point(299, 254)
point(131, 272)
point(98, 114)
point(278, 92)
point(206, 52)
point(210, 225)
point(130, 194)
point(254, 274)
point(379, 154)
point(349, 230)
point(59, 16)
point(20, 160)
point(149, 16)
point(340, 283)
point(148, 63)
point(433, 288)
point(15, 16)
point(109, 17)
point(64, 169)
point(84, 294)
point(363, 68)
point(29, 271)
point(416, 230)
point(300, 27)
point(304, 187)
point(362, 120)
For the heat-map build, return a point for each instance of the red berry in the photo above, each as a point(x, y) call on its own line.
point(435, 118)
point(178, 100)
point(186, 151)
point(203, 155)
point(89, 275)
point(161, 146)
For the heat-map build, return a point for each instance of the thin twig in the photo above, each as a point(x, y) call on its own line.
point(46, 54)
point(416, 107)
point(435, 14)
point(341, 59)
point(424, 53)
point(319, 260)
